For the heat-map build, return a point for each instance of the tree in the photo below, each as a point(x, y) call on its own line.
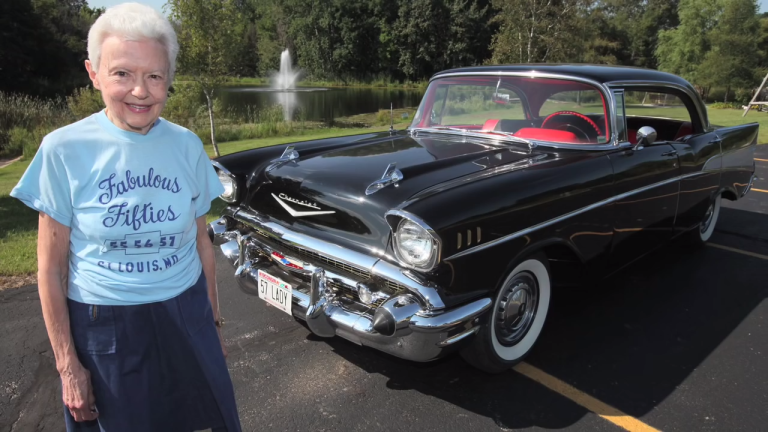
point(681, 50)
point(536, 30)
point(733, 58)
point(206, 36)
point(716, 44)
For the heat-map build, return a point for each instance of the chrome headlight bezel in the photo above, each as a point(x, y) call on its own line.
point(396, 220)
point(225, 175)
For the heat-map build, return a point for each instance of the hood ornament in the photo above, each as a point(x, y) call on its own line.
point(289, 155)
point(391, 175)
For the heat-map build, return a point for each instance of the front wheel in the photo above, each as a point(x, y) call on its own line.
point(519, 310)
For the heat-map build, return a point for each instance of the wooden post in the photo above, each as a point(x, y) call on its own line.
point(755, 96)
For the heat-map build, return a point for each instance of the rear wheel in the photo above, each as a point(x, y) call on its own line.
point(519, 310)
point(702, 233)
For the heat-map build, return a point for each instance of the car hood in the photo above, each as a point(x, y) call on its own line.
point(325, 194)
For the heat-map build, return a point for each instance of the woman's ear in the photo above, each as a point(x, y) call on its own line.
point(93, 75)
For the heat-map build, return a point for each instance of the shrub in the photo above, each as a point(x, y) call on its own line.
point(724, 105)
point(84, 102)
point(25, 112)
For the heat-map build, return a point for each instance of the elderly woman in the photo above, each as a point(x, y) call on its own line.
point(126, 269)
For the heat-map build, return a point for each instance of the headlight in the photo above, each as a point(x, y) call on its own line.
point(230, 189)
point(414, 245)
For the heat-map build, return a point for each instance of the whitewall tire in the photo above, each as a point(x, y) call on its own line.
point(515, 322)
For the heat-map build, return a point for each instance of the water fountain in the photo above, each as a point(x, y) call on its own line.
point(286, 78)
point(282, 87)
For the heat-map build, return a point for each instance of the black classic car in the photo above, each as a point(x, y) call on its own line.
point(511, 182)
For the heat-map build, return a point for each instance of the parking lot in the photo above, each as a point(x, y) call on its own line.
point(677, 342)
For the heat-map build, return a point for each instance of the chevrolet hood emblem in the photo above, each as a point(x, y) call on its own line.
point(283, 199)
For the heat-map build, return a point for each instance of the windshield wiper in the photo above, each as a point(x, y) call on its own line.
point(508, 136)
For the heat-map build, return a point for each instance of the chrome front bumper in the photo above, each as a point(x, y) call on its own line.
point(406, 317)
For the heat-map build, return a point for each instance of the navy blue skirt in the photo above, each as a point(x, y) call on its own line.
point(154, 367)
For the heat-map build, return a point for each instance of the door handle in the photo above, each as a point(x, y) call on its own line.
point(669, 153)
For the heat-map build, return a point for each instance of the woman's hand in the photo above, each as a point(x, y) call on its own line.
point(77, 392)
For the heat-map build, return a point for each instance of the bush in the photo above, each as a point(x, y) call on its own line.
point(25, 112)
point(724, 105)
point(84, 102)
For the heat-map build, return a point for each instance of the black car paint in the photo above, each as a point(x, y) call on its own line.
point(335, 172)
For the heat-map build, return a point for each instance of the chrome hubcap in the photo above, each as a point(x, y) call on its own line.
point(708, 218)
point(516, 309)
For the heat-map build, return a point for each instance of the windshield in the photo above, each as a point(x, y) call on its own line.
point(543, 109)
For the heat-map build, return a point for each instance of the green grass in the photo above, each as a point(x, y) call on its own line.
point(18, 227)
point(236, 146)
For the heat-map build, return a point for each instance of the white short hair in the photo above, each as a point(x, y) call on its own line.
point(133, 21)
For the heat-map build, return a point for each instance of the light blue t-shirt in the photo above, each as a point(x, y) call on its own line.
point(130, 201)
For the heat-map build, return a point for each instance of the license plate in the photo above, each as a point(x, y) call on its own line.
point(275, 292)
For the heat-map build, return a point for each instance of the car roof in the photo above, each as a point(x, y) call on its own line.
point(598, 73)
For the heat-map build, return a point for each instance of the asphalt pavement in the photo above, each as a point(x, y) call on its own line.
point(677, 342)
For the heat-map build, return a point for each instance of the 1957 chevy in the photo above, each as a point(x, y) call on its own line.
point(451, 235)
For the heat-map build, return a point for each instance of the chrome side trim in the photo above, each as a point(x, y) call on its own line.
point(559, 219)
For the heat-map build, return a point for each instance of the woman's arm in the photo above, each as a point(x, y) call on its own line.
point(205, 250)
point(52, 274)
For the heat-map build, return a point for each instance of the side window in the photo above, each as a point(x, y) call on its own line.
point(664, 111)
point(655, 104)
point(473, 105)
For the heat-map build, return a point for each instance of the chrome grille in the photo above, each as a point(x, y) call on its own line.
point(343, 290)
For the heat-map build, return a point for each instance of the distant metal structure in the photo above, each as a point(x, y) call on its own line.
point(759, 105)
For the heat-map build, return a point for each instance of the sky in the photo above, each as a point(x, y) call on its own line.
point(158, 4)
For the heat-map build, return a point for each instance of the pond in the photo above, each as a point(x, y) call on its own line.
point(319, 104)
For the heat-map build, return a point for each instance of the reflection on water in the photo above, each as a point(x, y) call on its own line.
point(319, 104)
point(289, 102)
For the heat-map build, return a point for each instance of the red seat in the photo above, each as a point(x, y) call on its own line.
point(685, 129)
point(490, 125)
point(632, 136)
point(547, 135)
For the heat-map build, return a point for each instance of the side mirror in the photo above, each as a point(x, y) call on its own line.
point(646, 135)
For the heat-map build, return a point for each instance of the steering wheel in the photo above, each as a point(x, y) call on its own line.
point(590, 125)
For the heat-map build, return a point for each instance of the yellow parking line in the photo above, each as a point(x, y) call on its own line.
point(602, 409)
point(743, 252)
point(761, 160)
point(760, 190)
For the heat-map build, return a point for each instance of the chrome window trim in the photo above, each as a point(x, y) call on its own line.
point(700, 107)
point(566, 216)
point(393, 225)
point(235, 186)
point(604, 89)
